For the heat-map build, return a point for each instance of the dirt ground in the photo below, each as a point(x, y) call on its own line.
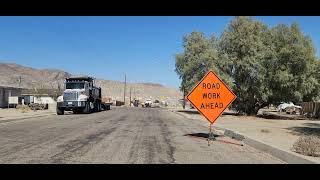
point(12, 113)
point(276, 132)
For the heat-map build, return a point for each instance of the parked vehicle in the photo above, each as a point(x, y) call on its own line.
point(148, 103)
point(135, 102)
point(289, 108)
point(156, 104)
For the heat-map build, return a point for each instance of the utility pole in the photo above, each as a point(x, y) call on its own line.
point(134, 93)
point(130, 98)
point(19, 81)
point(124, 93)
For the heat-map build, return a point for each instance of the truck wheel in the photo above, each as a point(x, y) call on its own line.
point(103, 107)
point(108, 107)
point(95, 107)
point(75, 112)
point(99, 107)
point(86, 109)
point(60, 111)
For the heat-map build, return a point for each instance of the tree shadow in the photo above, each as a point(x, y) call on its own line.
point(196, 112)
point(307, 129)
point(317, 125)
point(280, 116)
point(231, 114)
point(188, 112)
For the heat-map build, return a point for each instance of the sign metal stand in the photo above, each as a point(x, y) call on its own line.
point(210, 135)
point(212, 138)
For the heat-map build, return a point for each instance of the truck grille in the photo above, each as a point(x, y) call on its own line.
point(70, 96)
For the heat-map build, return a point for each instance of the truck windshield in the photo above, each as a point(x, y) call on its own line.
point(74, 85)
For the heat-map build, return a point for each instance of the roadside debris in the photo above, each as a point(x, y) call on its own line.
point(279, 116)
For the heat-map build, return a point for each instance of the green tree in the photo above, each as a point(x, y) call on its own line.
point(200, 55)
point(262, 65)
point(244, 45)
point(195, 60)
point(292, 69)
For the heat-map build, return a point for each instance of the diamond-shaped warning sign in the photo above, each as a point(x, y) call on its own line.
point(211, 96)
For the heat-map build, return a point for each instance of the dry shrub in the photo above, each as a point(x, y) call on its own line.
point(265, 131)
point(308, 145)
point(23, 108)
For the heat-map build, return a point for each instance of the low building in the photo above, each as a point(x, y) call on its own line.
point(6, 92)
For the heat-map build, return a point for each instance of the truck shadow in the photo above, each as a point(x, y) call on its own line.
point(307, 129)
point(80, 113)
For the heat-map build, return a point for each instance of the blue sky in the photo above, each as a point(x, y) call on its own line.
point(108, 47)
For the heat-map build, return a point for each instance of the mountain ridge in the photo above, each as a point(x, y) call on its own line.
point(12, 73)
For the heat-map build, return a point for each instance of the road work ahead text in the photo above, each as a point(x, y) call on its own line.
point(211, 94)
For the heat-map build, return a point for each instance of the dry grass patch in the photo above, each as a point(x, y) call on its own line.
point(23, 108)
point(264, 131)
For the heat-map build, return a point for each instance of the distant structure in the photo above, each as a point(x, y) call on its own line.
point(6, 92)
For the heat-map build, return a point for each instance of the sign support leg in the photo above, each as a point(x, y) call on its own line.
point(210, 135)
point(212, 138)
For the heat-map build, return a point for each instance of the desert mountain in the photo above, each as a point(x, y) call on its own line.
point(15, 75)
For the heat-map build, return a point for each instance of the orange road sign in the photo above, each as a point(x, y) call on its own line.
point(211, 96)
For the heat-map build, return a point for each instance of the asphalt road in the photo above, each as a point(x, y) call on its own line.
point(121, 135)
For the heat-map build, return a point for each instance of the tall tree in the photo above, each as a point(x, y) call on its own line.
point(243, 43)
point(198, 57)
point(292, 70)
point(262, 65)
